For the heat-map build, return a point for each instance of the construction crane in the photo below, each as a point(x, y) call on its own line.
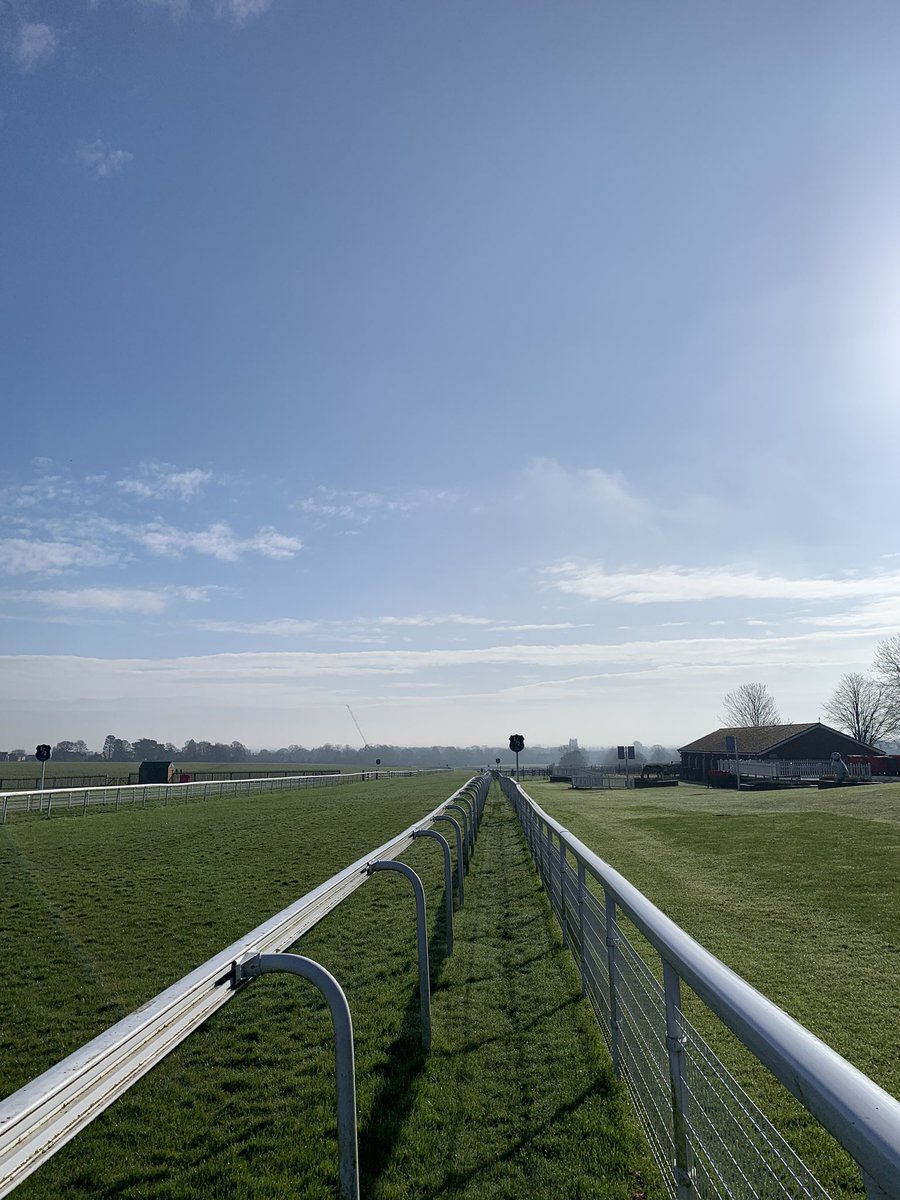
point(358, 730)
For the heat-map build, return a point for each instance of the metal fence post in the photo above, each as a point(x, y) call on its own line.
point(562, 893)
point(459, 855)
point(470, 810)
point(581, 927)
point(448, 880)
point(465, 824)
point(388, 864)
point(5, 803)
point(676, 1042)
point(612, 966)
point(252, 965)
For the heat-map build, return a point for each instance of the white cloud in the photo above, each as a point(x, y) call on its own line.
point(157, 481)
point(100, 160)
point(237, 11)
point(577, 488)
point(362, 507)
point(35, 44)
point(240, 11)
point(877, 614)
point(21, 556)
point(350, 628)
point(677, 659)
point(670, 584)
point(218, 541)
point(528, 628)
point(111, 600)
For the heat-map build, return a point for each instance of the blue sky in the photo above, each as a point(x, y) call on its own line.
point(486, 367)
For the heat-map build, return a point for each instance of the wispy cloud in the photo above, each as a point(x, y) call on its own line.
point(33, 45)
point(362, 507)
point(548, 625)
point(676, 658)
point(671, 584)
point(580, 488)
point(23, 556)
point(218, 541)
point(158, 481)
point(240, 11)
point(351, 627)
point(145, 601)
point(101, 160)
point(236, 11)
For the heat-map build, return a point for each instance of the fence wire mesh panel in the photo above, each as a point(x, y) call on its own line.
point(708, 1137)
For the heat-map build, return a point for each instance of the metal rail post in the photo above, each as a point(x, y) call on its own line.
point(390, 864)
point(612, 966)
point(459, 855)
point(676, 1042)
point(252, 965)
point(582, 962)
point(562, 893)
point(448, 879)
point(465, 816)
point(471, 812)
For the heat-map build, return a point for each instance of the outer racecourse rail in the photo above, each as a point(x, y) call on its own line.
point(51, 800)
point(41, 1117)
point(708, 1137)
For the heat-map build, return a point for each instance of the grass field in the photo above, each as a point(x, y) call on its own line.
point(798, 891)
point(515, 1100)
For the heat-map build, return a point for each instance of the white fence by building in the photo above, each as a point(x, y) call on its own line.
point(806, 768)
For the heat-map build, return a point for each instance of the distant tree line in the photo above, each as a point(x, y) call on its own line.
point(116, 749)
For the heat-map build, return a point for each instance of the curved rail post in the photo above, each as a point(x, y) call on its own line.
point(459, 855)
point(467, 801)
point(250, 966)
point(389, 864)
point(448, 880)
point(465, 825)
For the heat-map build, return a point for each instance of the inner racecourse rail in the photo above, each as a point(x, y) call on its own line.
point(708, 1137)
point(49, 800)
point(46, 1113)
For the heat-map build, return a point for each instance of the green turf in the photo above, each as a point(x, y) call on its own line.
point(515, 1100)
point(795, 890)
point(61, 769)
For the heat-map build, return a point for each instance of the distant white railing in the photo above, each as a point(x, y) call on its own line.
point(805, 768)
point(54, 800)
point(709, 1139)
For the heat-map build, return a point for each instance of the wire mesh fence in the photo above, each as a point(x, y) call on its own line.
point(708, 1137)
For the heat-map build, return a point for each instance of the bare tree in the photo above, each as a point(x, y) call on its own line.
point(750, 704)
point(867, 708)
point(887, 662)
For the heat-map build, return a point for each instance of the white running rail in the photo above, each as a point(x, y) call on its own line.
point(708, 1137)
point(42, 1116)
